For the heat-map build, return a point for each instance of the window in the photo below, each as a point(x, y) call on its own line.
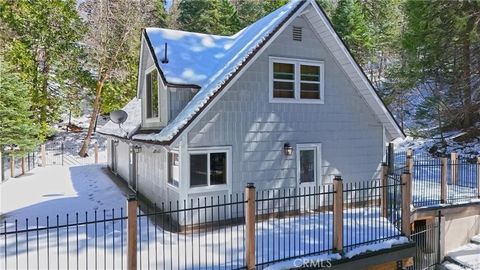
point(283, 80)
point(208, 169)
point(173, 169)
point(296, 80)
point(308, 163)
point(151, 100)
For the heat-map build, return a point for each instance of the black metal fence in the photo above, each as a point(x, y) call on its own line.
point(64, 153)
point(365, 221)
point(207, 232)
point(294, 223)
point(426, 236)
point(461, 176)
point(21, 164)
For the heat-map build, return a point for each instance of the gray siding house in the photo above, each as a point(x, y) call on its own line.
point(282, 104)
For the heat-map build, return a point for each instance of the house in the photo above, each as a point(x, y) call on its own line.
point(282, 104)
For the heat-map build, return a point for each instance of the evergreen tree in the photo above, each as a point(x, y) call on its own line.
point(42, 42)
point(349, 21)
point(212, 17)
point(249, 11)
point(271, 5)
point(17, 129)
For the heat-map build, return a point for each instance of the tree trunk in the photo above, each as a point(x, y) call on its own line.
point(93, 119)
point(467, 73)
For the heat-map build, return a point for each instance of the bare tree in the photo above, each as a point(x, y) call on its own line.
point(113, 32)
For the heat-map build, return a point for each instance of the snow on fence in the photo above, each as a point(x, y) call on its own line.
point(443, 180)
point(228, 232)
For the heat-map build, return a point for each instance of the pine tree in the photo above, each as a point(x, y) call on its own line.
point(212, 17)
point(249, 11)
point(42, 42)
point(349, 21)
point(18, 131)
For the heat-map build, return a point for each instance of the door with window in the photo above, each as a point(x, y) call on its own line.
point(308, 157)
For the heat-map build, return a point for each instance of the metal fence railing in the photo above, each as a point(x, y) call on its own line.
point(208, 232)
point(440, 180)
point(293, 223)
point(21, 164)
point(364, 222)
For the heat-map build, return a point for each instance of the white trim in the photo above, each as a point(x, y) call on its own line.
point(168, 169)
point(208, 151)
point(317, 147)
point(140, 65)
point(297, 62)
point(244, 68)
point(357, 69)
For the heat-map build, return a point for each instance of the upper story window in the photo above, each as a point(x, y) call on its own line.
point(296, 80)
point(151, 99)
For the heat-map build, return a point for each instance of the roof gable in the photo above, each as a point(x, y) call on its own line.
point(211, 62)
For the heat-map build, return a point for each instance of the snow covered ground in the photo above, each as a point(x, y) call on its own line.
point(464, 257)
point(60, 190)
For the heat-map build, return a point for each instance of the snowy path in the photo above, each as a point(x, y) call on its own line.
point(59, 190)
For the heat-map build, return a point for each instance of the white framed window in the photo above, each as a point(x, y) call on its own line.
point(151, 94)
point(173, 169)
point(296, 81)
point(210, 167)
point(308, 157)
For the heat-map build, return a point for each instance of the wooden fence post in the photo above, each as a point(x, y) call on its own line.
point(250, 210)
point(454, 168)
point(443, 180)
point(43, 154)
point(478, 175)
point(384, 190)
point(12, 165)
point(338, 214)
point(132, 205)
point(406, 202)
point(23, 165)
point(391, 157)
point(410, 160)
point(95, 147)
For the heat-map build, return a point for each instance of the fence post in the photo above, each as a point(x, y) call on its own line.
point(43, 153)
point(23, 164)
point(250, 226)
point(391, 158)
point(478, 175)
point(384, 190)
point(12, 165)
point(410, 160)
point(338, 214)
point(443, 180)
point(132, 205)
point(95, 147)
point(454, 168)
point(406, 202)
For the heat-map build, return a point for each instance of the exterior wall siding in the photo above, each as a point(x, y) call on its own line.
point(123, 162)
point(350, 134)
point(151, 175)
point(178, 98)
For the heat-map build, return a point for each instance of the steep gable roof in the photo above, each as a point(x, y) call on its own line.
point(208, 61)
point(211, 62)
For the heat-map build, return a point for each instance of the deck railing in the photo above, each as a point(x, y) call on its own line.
point(251, 229)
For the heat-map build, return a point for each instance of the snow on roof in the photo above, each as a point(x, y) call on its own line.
point(134, 111)
point(207, 61)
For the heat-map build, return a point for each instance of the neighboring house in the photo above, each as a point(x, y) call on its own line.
point(282, 104)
